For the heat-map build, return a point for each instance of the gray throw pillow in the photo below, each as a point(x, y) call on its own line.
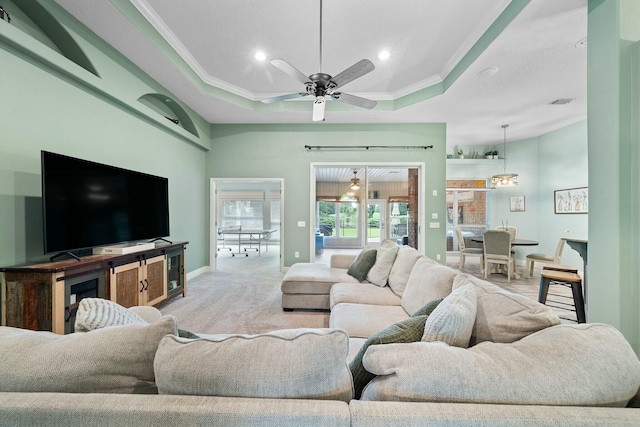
point(405, 331)
point(362, 264)
point(452, 321)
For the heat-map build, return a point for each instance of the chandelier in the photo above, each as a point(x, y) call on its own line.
point(355, 182)
point(505, 179)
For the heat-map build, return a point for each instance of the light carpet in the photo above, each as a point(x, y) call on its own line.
point(242, 296)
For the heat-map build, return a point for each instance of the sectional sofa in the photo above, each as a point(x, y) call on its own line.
point(509, 362)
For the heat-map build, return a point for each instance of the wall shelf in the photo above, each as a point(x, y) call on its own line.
point(474, 161)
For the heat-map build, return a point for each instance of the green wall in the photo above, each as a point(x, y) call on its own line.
point(614, 161)
point(277, 151)
point(50, 103)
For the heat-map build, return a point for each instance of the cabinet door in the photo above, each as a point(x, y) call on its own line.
point(127, 284)
point(175, 273)
point(155, 280)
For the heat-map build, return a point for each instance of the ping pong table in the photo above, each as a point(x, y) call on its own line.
point(252, 236)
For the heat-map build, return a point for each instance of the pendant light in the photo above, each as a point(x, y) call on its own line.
point(355, 182)
point(505, 179)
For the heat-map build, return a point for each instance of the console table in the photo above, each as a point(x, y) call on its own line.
point(45, 296)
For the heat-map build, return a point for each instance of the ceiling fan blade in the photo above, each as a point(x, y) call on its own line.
point(318, 109)
point(353, 100)
point(291, 70)
point(358, 69)
point(284, 97)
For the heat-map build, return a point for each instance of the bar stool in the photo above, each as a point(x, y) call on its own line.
point(560, 267)
point(568, 279)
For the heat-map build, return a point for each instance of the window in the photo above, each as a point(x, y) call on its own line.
point(467, 202)
point(274, 210)
point(338, 218)
point(243, 208)
point(399, 216)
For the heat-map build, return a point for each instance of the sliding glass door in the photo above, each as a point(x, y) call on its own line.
point(358, 206)
point(376, 221)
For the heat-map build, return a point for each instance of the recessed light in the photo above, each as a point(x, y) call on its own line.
point(260, 56)
point(384, 55)
point(487, 72)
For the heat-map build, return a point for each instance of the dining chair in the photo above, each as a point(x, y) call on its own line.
point(544, 258)
point(513, 231)
point(497, 250)
point(465, 252)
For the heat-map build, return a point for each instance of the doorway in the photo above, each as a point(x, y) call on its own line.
point(376, 222)
point(364, 204)
point(249, 205)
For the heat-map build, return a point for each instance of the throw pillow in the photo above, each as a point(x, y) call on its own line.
point(362, 264)
point(452, 321)
point(96, 313)
point(186, 334)
point(401, 269)
point(286, 364)
point(589, 364)
point(428, 281)
point(428, 308)
point(379, 273)
point(107, 360)
point(407, 330)
point(503, 316)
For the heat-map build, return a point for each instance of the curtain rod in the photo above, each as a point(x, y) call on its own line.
point(366, 147)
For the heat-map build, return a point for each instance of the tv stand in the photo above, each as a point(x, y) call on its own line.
point(61, 254)
point(43, 296)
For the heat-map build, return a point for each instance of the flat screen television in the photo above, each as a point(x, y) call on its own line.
point(87, 204)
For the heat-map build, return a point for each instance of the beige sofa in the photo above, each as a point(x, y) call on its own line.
point(522, 368)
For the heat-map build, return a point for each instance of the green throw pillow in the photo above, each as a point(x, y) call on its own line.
point(362, 264)
point(428, 308)
point(186, 334)
point(405, 331)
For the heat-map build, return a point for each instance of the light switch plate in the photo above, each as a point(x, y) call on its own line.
point(434, 215)
point(434, 225)
point(301, 223)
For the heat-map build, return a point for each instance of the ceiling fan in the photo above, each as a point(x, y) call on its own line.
point(322, 84)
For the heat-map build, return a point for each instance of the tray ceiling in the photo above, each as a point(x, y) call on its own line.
point(202, 51)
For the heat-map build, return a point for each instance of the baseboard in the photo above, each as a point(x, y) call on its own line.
point(195, 273)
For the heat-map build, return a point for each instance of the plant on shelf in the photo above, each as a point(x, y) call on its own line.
point(491, 155)
point(460, 153)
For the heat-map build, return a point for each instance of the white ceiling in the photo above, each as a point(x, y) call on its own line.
point(202, 52)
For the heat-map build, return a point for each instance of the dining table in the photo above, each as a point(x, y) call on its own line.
point(514, 242)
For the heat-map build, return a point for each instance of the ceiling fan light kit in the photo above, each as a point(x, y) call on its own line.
point(355, 182)
point(321, 84)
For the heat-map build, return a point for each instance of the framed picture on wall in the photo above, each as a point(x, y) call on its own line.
point(516, 203)
point(571, 201)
